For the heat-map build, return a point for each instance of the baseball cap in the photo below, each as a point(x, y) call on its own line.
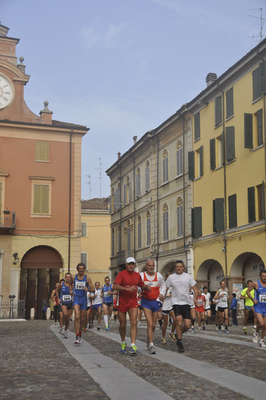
point(130, 260)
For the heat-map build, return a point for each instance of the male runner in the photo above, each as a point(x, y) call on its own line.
point(259, 306)
point(207, 305)
point(96, 306)
point(249, 305)
point(150, 300)
point(82, 284)
point(65, 290)
point(181, 282)
point(127, 282)
point(108, 303)
point(222, 296)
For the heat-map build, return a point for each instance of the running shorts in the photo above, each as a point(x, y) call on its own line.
point(183, 310)
point(81, 302)
point(124, 307)
point(152, 305)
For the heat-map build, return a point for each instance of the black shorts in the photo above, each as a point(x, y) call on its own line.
point(109, 304)
point(68, 305)
point(115, 309)
point(183, 310)
point(221, 309)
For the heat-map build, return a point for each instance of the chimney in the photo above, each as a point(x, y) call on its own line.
point(46, 114)
point(135, 138)
point(210, 78)
point(118, 155)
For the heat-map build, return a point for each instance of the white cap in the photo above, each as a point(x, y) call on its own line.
point(130, 260)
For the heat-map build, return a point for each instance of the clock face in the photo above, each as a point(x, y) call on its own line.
point(6, 92)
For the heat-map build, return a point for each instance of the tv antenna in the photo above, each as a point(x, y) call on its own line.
point(89, 182)
point(261, 22)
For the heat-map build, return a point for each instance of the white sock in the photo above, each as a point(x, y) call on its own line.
point(105, 317)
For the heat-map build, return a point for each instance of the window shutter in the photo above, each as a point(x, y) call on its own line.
point(148, 231)
point(218, 223)
point(165, 225)
point(251, 204)
point(165, 169)
point(248, 131)
point(83, 258)
point(218, 110)
point(41, 199)
point(0, 203)
point(196, 222)
point(259, 127)
point(138, 185)
point(201, 160)
point(229, 103)
point(125, 194)
point(128, 239)
point(262, 77)
point(212, 154)
point(147, 178)
point(139, 235)
point(130, 193)
point(263, 200)
point(230, 143)
point(83, 228)
point(196, 126)
point(191, 165)
point(179, 221)
point(232, 211)
point(179, 161)
point(256, 84)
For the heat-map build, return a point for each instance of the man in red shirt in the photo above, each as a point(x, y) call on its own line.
point(127, 283)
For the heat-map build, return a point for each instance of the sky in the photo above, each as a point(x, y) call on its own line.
point(122, 67)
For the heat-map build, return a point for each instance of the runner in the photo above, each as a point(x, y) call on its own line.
point(192, 310)
point(127, 282)
point(140, 309)
point(89, 300)
point(66, 292)
point(259, 306)
point(222, 296)
point(249, 305)
point(207, 305)
point(181, 282)
point(82, 284)
point(96, 306)
point(108, 302)
point(200, 309)
point(150, 301)
point(167, 311)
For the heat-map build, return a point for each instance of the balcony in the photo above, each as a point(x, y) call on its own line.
point(7, 222)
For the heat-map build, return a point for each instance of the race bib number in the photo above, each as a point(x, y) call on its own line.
point(80, 285)
point(224, 299)
point(66, 297)
point(262, 298)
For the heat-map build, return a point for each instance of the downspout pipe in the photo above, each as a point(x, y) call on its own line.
point(70, 200)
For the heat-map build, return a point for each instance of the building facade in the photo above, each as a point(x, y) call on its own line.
point(40, 189)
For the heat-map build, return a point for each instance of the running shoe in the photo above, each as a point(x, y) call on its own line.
point(123, 348)
point(172, 336)
point(192, 329)
point(133, 350)
point(219, 331)
point(152, 349)
point(255, 338)
point(60, 331)
point(245, 331)
point(163, 341)
point(227, 331)
point(139, 323)
point(204, 328)
point(84, 328)
point(106, 328)
point(180, 347)
point(98, 327)
point(262, 344)
point(78, 340)
point(199, 328)
point(65, 335)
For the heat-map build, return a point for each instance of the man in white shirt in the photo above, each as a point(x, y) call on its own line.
point(181, 282)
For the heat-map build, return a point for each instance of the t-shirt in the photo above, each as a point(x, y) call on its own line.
point(97, 299)
point(127, 279)
point(181, 285)
point(248, 302)
point(156, 283)
point(207, 299)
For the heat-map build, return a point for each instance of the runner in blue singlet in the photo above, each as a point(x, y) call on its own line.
point(65, 290)
point(108, 303)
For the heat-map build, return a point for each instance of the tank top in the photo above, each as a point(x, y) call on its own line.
point(65, 296)
point(154, 285)
point(260, 295)
point(223, 301)
point(79, 286)
point(107, 298)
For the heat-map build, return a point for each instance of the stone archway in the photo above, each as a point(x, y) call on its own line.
point(210, 273)
point(40, 271)
point(169, 267)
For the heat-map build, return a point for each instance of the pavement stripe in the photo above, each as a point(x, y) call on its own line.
point(117, 381)
point(249, 387)
point(227, 339)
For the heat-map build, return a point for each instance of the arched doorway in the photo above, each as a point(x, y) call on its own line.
point(40, 271)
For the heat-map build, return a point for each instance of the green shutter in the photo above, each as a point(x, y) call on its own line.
point(196, 222)
point(248, 129)
point(191, 165)
point(218, 215)
point(256, 84)
point(212, 154)
point(197, 126)
point(230, 143)
point(41, 151)
point(229, 103)
point(232, 211)
point(218, 110)
point(263, 77)
point(259, 127)
point(251, 204)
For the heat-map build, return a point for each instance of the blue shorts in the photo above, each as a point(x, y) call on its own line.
point(81, 302)
point(152, 305)
point(96, 306)
point(248, 308)
point(259, 310)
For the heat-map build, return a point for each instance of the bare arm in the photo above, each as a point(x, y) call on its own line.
point(253, 285)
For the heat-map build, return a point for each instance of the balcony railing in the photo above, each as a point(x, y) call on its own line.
point(7, 220)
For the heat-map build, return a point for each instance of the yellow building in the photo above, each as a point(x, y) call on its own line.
point(95, 238)
point(227, 167)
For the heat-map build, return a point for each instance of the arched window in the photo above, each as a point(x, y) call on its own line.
point(113, 243)
point(119, 239)
point(139, 232)
point(180, 218)
point(165, 223)
point(179, 158)
point(165, 166)
point(147, 176)
point(128, 238)
point(148, 226)
point(138, 181)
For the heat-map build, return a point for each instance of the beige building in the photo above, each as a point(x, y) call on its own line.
point(95, 237)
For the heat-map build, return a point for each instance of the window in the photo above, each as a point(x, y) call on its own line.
point(251, 205)
point(179, 161)
point(229, 103)
point(196, 221)
point(195, 163)
point(191, 165)
point(83, 228)
point(212, 154)
point(165, 166)
point(119, 239)
point(232, 211)
point(248, 130)
point(117, 201)
point(127, 191)
point(148, 225)
point(128, 239)
point(256, 84)
point(165, 223)
point(113, 243)
point(180, 221)
point(258, 116)
point(197, 126)
point(255, 140)
point(41, 151)
point(230, 143)
point(256, 203)
point(139, 232)
point(147, 176)
point(1, 203)
point(218, 110)
point(263, 77)
point(84, 258)
point(218, 215)
point(41, 196)
point(138, 180)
